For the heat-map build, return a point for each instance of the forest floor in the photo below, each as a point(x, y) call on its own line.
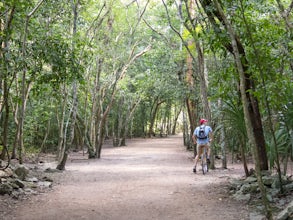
point(147, 179)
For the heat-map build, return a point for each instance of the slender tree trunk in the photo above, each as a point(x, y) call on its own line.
point(204, 93)
point(61, 121)
point(243, 156)
point(5, 123)
point(131, 110)
point(153, 115)
point(222, 141)
point(252, 103)
point(66, 146)
point(75, 85)
point(174, 124)
point(43, 145)
point(5, 27)
point(192, 115)
point(24, 98)
point(15, 116)
point(266, 99)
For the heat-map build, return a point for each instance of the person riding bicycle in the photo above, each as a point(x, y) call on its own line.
point(202, 137)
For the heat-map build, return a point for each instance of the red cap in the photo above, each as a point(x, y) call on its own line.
point(203, 121)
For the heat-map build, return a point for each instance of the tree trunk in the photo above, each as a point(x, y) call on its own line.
point(43, 145)
point(153, 115)
point(65, 147)
point(245, 102)
point(243, 156)
point(192, 115)
point(248, 84)
point(61, 124)
point(204, 93)
point(174, 124)
point(24, 98)
point(5, 123)
point(5, 28)
point(128, 117)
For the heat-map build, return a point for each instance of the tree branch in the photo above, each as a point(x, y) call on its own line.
point(177, 32)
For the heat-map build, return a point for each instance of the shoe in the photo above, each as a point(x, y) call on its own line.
point(208, 161)
point(194, 169)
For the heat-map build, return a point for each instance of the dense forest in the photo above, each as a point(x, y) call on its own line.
point(77, 72)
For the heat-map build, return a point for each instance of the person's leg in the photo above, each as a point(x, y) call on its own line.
point(199, 152)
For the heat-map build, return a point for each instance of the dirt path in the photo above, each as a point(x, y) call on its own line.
point(148, 179)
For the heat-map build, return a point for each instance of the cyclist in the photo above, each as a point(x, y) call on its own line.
point(202, 137)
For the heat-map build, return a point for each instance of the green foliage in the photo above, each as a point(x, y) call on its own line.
point(231, 118)
point(284, 145)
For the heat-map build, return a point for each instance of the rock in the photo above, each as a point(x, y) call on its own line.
point(45, 178)
point(45, 184)
point(288, 187)
point(235, 184)
point(32, 179)
point(273, 192)
point(241, 197)
point(256, 216)
point(5, 188)
point(276, 183)
point(6, 173)
point(267, 180)
point(250, 179)
point(21, 171)
point(287, 213)
point(249, 188)
point(19, 183)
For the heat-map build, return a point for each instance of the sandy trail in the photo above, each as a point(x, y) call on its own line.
point(147, 179)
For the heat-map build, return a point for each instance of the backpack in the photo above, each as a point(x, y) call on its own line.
point(201, 133)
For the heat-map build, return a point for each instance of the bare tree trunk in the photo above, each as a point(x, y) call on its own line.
point(65, 147)
point(5, 123)
point(252, 102)
point(204, 93)
point(43, 145)
point(192, 115)
point(243, 156)
point(24, 98)
point(131, 110)
point(15, 116)
point(74, 86)
point(222, 141)
point(154, 111)
point(95, 111)
point(61, 123)
point(174, 124)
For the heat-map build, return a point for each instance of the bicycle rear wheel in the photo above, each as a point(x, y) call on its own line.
point(204, 165)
